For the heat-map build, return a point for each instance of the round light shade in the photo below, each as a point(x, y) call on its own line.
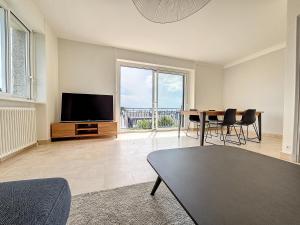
point(168, 11)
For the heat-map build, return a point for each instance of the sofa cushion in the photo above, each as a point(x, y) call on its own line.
point(40, 202)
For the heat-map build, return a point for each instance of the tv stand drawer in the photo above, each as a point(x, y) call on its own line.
point(107, 128)
point(59, 130)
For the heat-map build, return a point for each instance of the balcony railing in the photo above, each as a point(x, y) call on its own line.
point(145, 118)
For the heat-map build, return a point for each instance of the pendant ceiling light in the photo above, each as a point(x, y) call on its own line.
point(168, 11)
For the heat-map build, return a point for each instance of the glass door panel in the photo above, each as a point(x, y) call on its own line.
point(169, 99)
point(136, 98)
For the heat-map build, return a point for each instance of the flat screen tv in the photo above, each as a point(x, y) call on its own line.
point(86, 107)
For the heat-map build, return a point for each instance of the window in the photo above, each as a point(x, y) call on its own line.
point(19, 57)
point(153, 104)
point(2, 50)
point(15, 56)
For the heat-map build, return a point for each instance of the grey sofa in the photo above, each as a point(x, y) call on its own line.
point(35, 202)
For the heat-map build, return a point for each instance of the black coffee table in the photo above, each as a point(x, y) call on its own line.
point(220, 185)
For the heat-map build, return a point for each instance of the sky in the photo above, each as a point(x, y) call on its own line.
point(1, 29)
point(137, 88)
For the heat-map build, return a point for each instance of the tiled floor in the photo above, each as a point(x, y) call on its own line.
point(97, 164)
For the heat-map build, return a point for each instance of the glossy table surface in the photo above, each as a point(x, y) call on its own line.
point(222, 185)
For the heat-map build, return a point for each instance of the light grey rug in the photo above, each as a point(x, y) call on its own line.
point(128, 205)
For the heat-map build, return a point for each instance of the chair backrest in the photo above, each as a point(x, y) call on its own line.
point(249, 117)
point(229, 117)
point(194, 118)
point(212, 117)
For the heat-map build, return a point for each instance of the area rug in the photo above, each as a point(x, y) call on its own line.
point(128, 205)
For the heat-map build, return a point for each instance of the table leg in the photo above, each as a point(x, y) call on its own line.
point(259, 127)
point(202, 127)
point(157, 183)
point(179, 126)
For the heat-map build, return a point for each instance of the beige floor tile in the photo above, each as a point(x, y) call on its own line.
point(97, 164)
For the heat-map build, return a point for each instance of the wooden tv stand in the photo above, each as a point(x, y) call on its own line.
point(83, 129)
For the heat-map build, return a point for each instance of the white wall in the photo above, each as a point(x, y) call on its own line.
point(29, 13)
point(293, 10)
point(88, 68)
point(52, 78)
point(209, 87)
point(258, 84)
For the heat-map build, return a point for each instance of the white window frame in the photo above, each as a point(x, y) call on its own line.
point(6, 51)
point(29, 59)
point(296, 134)
point(186, 72)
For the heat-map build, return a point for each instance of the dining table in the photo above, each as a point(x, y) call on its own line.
point(204, 113)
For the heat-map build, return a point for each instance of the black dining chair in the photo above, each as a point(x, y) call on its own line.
point(248, 119)
point(195, 119)
point(213, 122)
point(229, 121)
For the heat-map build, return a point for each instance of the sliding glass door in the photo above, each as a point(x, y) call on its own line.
point(150, 99)
point(136, 98)
point(170, 99)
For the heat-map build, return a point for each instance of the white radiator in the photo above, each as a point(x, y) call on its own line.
point(17, 130)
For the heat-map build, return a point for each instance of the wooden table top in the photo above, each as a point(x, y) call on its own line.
point(222, 185)
point(213, 113)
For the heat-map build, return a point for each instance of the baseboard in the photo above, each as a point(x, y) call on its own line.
point(44, 142)
point(21, 151)
point(279, 136)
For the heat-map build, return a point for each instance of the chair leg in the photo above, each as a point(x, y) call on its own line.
point(209, 128)
point(222, 134)
point(256, 130)
point(217, 130)
point(237, 135)
point(257, 136)
point(242, 132)
point(251, 139)
point(247, 132)
point(188, 131)
point(198, 130)
point(206, 133)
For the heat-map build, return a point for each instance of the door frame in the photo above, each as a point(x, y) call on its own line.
point(296, 142)
point(189, 88)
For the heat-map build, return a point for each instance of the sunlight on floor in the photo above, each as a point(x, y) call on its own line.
point(97, 164)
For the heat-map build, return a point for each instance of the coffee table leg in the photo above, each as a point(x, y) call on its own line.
point(157, 183)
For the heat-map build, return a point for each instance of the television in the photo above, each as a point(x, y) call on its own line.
point(86, 107)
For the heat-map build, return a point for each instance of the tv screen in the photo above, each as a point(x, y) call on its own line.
point(86, 107)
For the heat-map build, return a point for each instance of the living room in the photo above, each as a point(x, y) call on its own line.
point(101, 97)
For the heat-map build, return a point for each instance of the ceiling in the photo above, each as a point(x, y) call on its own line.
point(222, 32)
